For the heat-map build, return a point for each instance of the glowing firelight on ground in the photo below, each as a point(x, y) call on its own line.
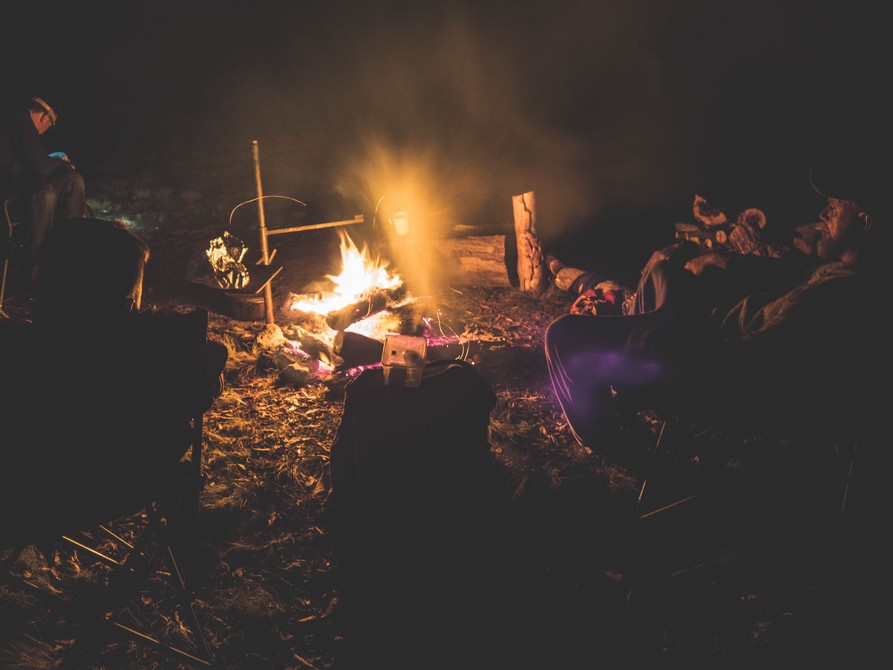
point(361, 274)
point(364, 282)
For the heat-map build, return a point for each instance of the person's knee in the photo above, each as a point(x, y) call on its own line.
point(585, 281)
point(77, 180)
point(556, 328)
point(71, 195)
point(661, 269)
point(68, 178)
point(552, 334)
point(561, 332)
point(679, 252)
point(71, 182)
point(657, 257)
point(42, 200)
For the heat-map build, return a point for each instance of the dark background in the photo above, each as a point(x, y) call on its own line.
point(614, 113)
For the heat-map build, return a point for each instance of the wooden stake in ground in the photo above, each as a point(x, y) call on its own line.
point(262, 225)
point(533, 273)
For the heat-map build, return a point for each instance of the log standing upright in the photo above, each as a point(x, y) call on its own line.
point(532, 271)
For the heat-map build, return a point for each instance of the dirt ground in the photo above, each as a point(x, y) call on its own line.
point(562, 580)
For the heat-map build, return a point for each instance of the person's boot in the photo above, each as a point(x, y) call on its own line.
point(563, 276)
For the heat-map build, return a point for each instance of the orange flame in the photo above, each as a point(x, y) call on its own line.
point(361, 273)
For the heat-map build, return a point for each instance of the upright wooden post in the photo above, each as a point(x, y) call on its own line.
point(533, 276)
point(264, 250)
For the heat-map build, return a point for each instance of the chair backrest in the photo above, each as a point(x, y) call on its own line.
point(90, 436)
point(12, 217)
point(81, 460)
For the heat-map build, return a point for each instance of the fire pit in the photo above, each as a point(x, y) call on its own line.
point(242, 304)
point(341, 326)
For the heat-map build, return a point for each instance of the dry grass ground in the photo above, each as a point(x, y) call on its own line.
point(266, 577)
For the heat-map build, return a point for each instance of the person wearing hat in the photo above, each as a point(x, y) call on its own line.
point(794, 363)
point(782, 352)
point(798, 372)
point(48, 185)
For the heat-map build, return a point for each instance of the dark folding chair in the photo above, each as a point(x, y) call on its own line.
point(12, 218)
point(138, 548)
point(797, 519)
point(835, 443)
point(134, 563)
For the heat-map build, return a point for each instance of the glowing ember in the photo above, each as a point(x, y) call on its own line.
point(377, 326)
point(360, 275)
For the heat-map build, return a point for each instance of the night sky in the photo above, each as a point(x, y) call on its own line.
point(597, 106)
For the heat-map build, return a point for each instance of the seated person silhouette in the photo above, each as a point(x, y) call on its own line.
point(781, 354)
point(794, 366)
point(46, 185)
point(100, 394)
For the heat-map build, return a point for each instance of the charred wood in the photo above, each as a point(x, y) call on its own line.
point(377, 301)
point(356, 349)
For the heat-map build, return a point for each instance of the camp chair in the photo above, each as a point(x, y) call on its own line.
point(836, 441)
point(134, 563)
point(12, 217)
point(691, 526)
point(138, 549)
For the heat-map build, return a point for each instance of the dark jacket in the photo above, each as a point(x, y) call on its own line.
point(809, 351)
point(24, 162)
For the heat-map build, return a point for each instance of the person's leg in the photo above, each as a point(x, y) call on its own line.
point(664, 281)
point(38, 221)
point(72, 195)
point(583, 281)
point(587, 357)
point(61, 196)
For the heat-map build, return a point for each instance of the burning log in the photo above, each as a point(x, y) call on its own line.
point(318, 349)
point(356, 350)
point(295, 374)
point(533, 276)
point(312, 346)
point(376, 301)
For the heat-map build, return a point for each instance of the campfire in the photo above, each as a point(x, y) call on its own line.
point(342, 328)
point(358, 298)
